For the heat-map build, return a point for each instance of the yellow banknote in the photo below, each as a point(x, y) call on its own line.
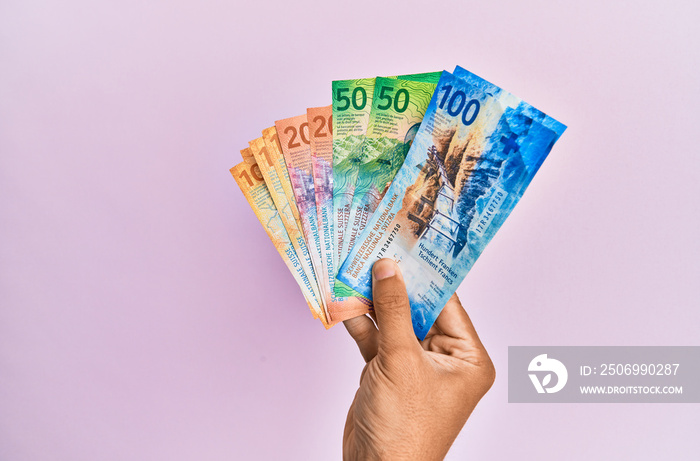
point(274, 150)
point(249, 157)
point(274, 186)
point(250, 179)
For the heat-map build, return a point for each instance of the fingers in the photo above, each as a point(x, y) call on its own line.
point(391, 307)
point(365, 334)
point(453, 321)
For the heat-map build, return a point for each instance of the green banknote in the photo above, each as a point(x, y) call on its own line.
point(352, 101)
point(398, 107)
point(350, 155)
point(427, 77)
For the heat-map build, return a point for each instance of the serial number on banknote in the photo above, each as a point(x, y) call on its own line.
point(389, 239)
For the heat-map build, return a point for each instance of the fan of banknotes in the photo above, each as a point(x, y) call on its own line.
point(420, 168)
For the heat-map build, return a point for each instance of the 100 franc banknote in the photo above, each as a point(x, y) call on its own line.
point(475, 152)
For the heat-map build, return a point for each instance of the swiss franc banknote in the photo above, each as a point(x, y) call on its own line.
point(249, 178)
point(509, 99)
point(427, 77)
point(475, 152)
point(352, 102)
point(398, 107)
point(274, 150)
point(321, 146)
point(321, 142)
point(266, 163)
point(293, 134)
point(362, 162)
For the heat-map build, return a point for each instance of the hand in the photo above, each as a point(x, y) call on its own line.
point(414, 396)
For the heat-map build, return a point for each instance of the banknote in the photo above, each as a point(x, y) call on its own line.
point(352, 101)
point(266, 163)
point(427, 77)
point(475, 152)
point(274, 150)
point(247, 156)
point(398, 107)
point(293, 136)
point(321, 142)
point(509, 99)
point(321, 146)
point(249, 178)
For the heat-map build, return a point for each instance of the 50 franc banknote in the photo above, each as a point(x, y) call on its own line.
point(352, 102)
point(398, 107)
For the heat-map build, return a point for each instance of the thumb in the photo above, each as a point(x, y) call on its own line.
point(391, 307)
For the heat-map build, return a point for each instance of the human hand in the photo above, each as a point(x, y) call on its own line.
point(414, 396)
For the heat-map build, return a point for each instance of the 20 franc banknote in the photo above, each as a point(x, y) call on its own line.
point(321, 146)
point(293, 134)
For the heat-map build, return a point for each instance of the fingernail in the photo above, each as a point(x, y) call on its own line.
point(383, 269)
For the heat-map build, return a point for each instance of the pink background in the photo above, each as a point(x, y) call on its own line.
point(145, 315)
